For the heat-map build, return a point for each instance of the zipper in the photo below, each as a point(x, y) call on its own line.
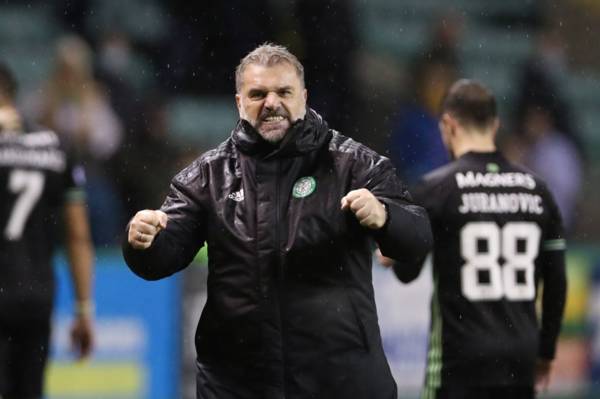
point(281, 273)
point(278, 225)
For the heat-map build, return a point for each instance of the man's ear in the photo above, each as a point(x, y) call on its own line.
point(238, 102)
point(452, 123)
point(446, 123)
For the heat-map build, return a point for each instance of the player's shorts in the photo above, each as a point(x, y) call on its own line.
point(496, 392)
point(23, 355)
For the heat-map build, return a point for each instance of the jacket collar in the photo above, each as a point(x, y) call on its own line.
point(305, 135)
point(486, 156)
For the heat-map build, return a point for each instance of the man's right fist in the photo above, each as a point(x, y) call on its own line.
point(144, 226)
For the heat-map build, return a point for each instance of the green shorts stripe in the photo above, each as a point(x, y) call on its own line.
point(433, 372)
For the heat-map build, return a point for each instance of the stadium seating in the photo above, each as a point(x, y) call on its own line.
point(27, 36)
point(203, 121)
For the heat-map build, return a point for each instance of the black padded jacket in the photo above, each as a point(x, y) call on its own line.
point(290, 310)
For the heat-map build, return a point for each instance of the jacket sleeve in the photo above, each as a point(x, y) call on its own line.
point(406, 236)
point(174, 247)
point(551, 264)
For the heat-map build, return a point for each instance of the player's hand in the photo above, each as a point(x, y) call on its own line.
point(82, 336)
point(542, 374)
point(144, 226)
point(384, 260)
point(367, 209)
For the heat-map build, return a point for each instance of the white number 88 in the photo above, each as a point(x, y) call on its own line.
point(503, 281)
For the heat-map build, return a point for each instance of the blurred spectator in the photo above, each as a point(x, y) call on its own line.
point(545, 133)
point(116, 71)
point(75, 106)
point(444, 41)
point(550, 154)
point(415, 144)
point(147, 158)
point(541, 80)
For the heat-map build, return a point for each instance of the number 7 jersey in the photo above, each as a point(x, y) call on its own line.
point(498, 234)
point(36, 179)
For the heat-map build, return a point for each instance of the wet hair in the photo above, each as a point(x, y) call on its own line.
point(472, 103)
point(268, 54)
point(8, 84)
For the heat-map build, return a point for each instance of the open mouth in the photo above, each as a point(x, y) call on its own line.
point(273, 118)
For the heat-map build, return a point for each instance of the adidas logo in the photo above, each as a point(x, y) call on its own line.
point(237, 196)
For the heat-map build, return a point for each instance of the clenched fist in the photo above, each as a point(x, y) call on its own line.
point(144, 226)
point(367, 209)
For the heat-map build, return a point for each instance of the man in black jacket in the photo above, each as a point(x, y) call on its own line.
point(289, 209)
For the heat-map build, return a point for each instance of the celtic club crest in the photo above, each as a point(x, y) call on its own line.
point(304, 187)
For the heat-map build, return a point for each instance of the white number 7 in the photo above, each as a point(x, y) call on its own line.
point(28, 186)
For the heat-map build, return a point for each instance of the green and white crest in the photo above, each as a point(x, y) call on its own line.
point(304, 187)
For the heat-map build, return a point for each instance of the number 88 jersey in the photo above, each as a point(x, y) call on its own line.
point(36, 179)
point(497, 234)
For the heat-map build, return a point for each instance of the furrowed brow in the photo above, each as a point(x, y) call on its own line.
point(255, 92)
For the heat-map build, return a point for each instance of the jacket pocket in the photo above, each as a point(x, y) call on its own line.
point(325, 318)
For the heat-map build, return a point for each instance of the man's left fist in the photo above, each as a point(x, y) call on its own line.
point(369, 211)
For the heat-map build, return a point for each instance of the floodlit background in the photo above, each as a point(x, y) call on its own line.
point(141, 87)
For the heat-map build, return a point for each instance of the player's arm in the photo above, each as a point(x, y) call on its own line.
point(161, 242)
point(551, 263)
point(80, 254)
point(554, 291)
point(400, 227)
point(553, 299)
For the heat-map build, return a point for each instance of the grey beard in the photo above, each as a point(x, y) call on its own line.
point(273, 138)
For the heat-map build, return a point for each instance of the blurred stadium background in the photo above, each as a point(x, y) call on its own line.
point(141, 87)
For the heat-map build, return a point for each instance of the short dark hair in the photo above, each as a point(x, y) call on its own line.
point(471, 103)
point(8, 84)
point(268, 54)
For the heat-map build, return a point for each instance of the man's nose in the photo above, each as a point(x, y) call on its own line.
point(272, 101)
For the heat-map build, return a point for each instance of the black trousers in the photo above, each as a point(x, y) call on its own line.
point(23, 355)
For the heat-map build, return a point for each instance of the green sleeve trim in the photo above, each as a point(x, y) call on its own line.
point(558, 244)
point(202, 256)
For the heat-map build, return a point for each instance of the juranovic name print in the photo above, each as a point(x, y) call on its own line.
point(501, 203)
